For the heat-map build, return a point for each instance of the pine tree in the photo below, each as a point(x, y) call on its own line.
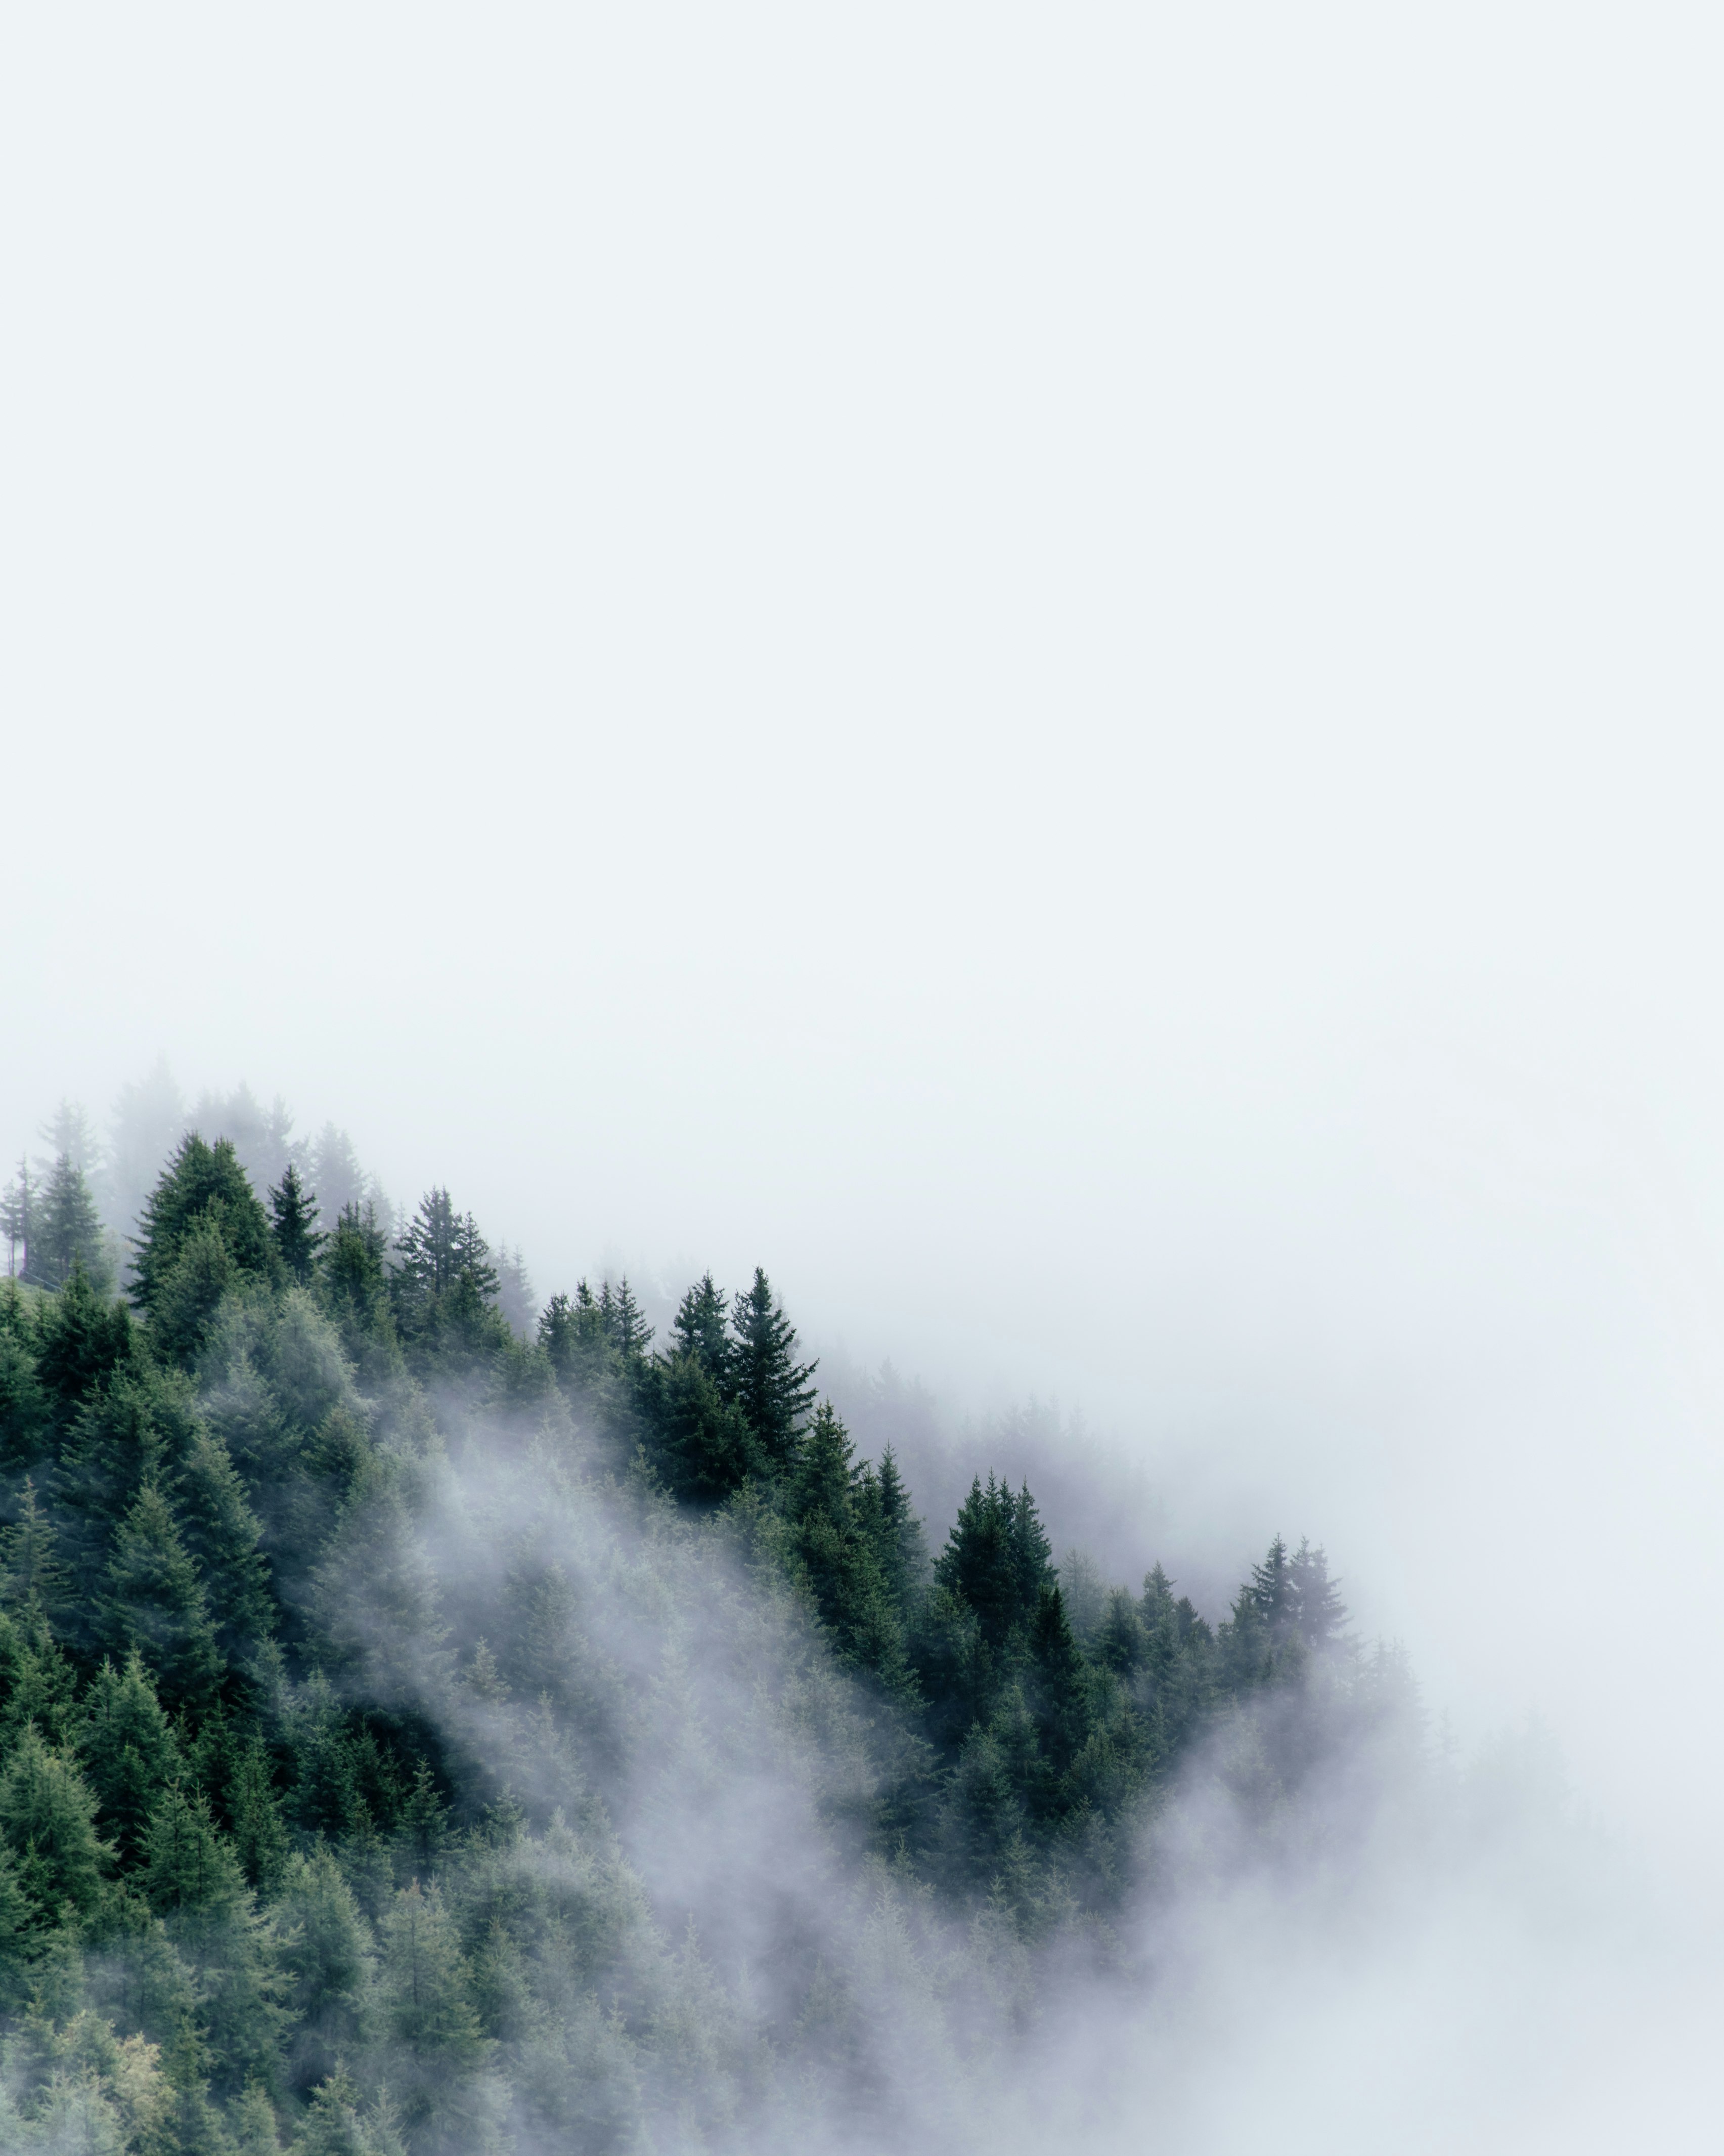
point(432, 2032)
point(155, 1604)
point(25, 1413)
point(18, 1216)
point(1321, 1615)
point(330, 1968)
point(627, 1329)
point(294, 1211)
point(221, 1534)
point(203, 1186)
point(48, 1816)
point(701, 1331)
point(771, 1387)
point(259, 1836)
point(128, 1750)
point(191, 1873)
point(33, 1579)
point(82, 1339)
point(1273, 1593)
point(67, 1231)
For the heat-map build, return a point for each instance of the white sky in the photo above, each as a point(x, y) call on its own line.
point(1055, 669)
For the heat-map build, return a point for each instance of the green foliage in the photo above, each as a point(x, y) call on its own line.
point(66, 1232)
point(278, 1861)
point(294, 1220)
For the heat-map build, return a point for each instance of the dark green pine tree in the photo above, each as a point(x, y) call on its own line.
point(1321, 1615)
point(33, 1578)
point(17, 1219)
point(67, 1231)
point(48, 1820)
point(155, 1603)
point(83, 1339)
point(128, 1750)
point(828, 1538)
point(25, 1413)
point(353, 1279)
point(767, 1382)
point(1058, 1692)
point(624, 1326)
point(1274, 1594)
point(702, 1444)
point(294, 1210)
point(202, 1185)
point(978, 1563)
point(329, 1966)
point(701, 1331)
point(222, 1535)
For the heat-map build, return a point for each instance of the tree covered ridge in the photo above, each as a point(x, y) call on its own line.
point(307, 1842)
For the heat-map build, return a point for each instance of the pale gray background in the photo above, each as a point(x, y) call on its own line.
point(1054, 669)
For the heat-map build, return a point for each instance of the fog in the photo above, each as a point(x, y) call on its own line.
point(1045, 670)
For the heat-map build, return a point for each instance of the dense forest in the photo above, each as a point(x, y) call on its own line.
point(434, 1723)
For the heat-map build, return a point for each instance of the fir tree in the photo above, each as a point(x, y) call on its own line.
point(294, 1212)
point(155, 1604)
point(17, 1215)
point(202, 1188)
point(701, 1331)
point(67, 1231)
point(48, 1818)
point(128, 1750)
point(1321, 1615)
point(770, 1386)
point(32, 1579)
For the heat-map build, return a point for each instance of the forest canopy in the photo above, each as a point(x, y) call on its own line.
point(370, 1632)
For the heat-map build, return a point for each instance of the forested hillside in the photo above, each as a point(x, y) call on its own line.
point(424, 1732)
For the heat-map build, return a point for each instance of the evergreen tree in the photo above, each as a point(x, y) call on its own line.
point(32, 1579)
point(436, 2045)
point(202, 1188)
point(17, 1217)
point(1321, 1615)
point(701, 1331)
point(191, 1872)
point(624, 1326)
point(704, 1448)
point(222, 1535)
point(25, 1414)
point(294, 1211)
point(154, 1604)
point(82, 1339)
point(128, 1751)
point(47, 1816)
point(1274, 1594)
point(330, 1968)
point(67, 1231)
point(770, 1386)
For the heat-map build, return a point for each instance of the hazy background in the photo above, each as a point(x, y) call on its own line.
point(1056, 669)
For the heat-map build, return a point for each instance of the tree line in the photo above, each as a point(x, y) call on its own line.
point(261, 1887)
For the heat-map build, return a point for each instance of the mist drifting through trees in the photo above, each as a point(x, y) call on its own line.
point(432, 1720)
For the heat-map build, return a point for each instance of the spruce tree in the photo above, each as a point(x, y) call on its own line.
point(221, 1534)
point(25, 1412)
point(293, 1213)
point(701, 1331)
point(1320, 1613)
point(155, 1603)
point(67, 1231)
point(32, 1579)
point(17, 1219)
point(436, 2047)
point(203, 1186)
point(770, 1386)
point(128, 1750)
point(48, 1818)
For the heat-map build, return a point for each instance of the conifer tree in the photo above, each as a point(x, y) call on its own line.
point(1274, 1594)
point(67, 1231)
point(435, 2042)
point(25, 1412)
point(771, 1387)
point(222, 1535)
point(48, 1818)
point(82, 1339)
point(1321, 1615)
point(191, 1873)
point(701, 1331)
point(155, 1603)
point(17, 1217)
point(32, 1579)
point(128, 1750)
point(330, 1965)
point(294, 1212)
point(203, 1186)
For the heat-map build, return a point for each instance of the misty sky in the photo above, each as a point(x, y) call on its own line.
point(1055, 669)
